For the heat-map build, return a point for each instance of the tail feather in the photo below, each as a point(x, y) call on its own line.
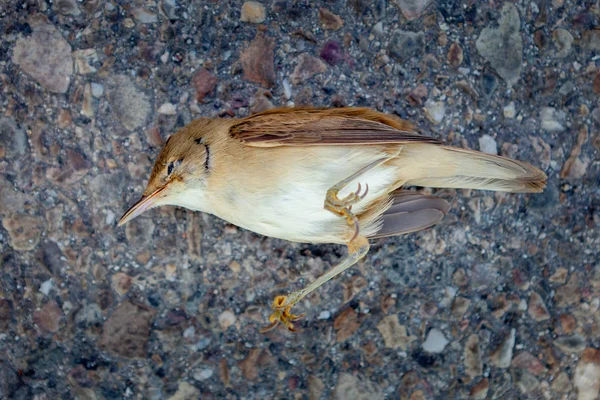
point(451, 167)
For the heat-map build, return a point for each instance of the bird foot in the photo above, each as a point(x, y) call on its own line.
point(282, 315)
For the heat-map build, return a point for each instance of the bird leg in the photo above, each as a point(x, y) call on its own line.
point(358, 246)
point(282, 305)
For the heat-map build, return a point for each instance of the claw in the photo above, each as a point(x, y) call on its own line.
point(281, 314)
point(366, 191)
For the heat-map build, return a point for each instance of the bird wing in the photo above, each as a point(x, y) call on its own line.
point(318, 127)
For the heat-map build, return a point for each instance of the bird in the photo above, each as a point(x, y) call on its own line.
point(320, 175)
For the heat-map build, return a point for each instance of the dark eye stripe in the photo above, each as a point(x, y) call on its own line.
point(173, 164)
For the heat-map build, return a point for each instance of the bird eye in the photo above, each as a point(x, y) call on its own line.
point(172, 165)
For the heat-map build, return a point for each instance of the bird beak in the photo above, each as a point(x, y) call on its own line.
point(143, 204)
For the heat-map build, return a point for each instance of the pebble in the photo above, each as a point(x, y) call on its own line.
point(308, 66)
point(13, 140)
point(502, 356)
point(435, 342)
point(563, 39)
point(324, 315)
point(346, 324)
point(571, 344)
point(127, 332)
point(204, 82)
point(24, 230)
point(48, 318)
point(121, 283)
point(412, 9)
point(258, 61)
point(394, 335)
point(6, 312)
point(455, 55)
point(253, 12)
point(561, 383)
point(144, 15)
point(186, 391)
point(97, 90)
point(479, 391)
point(45, 55)
point(226, 319)
point(502, 47)
point(83, 60)
point(332, 53)
point(46, 287)
point(472, 357)
point(488, 145)
point(204, 374)
point(510, 111)
point(66, 7)
point(330, 20)
point(537, 308)
point(587, 375)
point(435, 111)
point(355, 388)
point(167, 109)
point(525, 382)
point(551, 120)
point(405, 45)
point(130, 105)
point(528, 362)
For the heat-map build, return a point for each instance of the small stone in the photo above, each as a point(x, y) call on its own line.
point(167, 109)
point(346, 324)
point(130, 105)
point(435, 342)
point(571, 344)
point(258, 61)
point(330, 20)
point(537, 308)
point(48, 318)
point(324, 315)
point(563, 39)
point(502, 356)
point(186, 391)
point(46, 287)
point(24, 231)
point(204, 82)
point(455, 55)
point(127, 332)
point(121, 283)
point(63, 119)
point(13, 140)
point(479, 391)
point(472, 357)
point(417, 96)
point(528, 362)
point(550, 120)
point(435, 111)
point(460, 277)
point(355, 388)
point(510, 111)
point(596, 83)
point(587, 375)
point(204, 374)
point(97, 90)
point(87, 105)
point(568, 294)
point(460, 305)
point(315, 387)
point(559, 276)
point(412, 9)
point(406, 45)
point(502, 47)
point(45, 55)
point(308, 66)
point(253, 12)
point(590, 40)
point(487, 144)
point(576, 167)
point(561, 383)
point(144, 15)
point(332, 53)
point(525, 382)
point(226, 319)
point(83, 59)
point(66, 7)
point(394, 335)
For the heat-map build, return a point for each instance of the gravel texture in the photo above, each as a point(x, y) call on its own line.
point(499, 301)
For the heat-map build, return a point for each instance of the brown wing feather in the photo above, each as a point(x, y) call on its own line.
point(318, 127)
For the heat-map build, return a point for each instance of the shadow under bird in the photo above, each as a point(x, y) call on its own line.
point(320, 176)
